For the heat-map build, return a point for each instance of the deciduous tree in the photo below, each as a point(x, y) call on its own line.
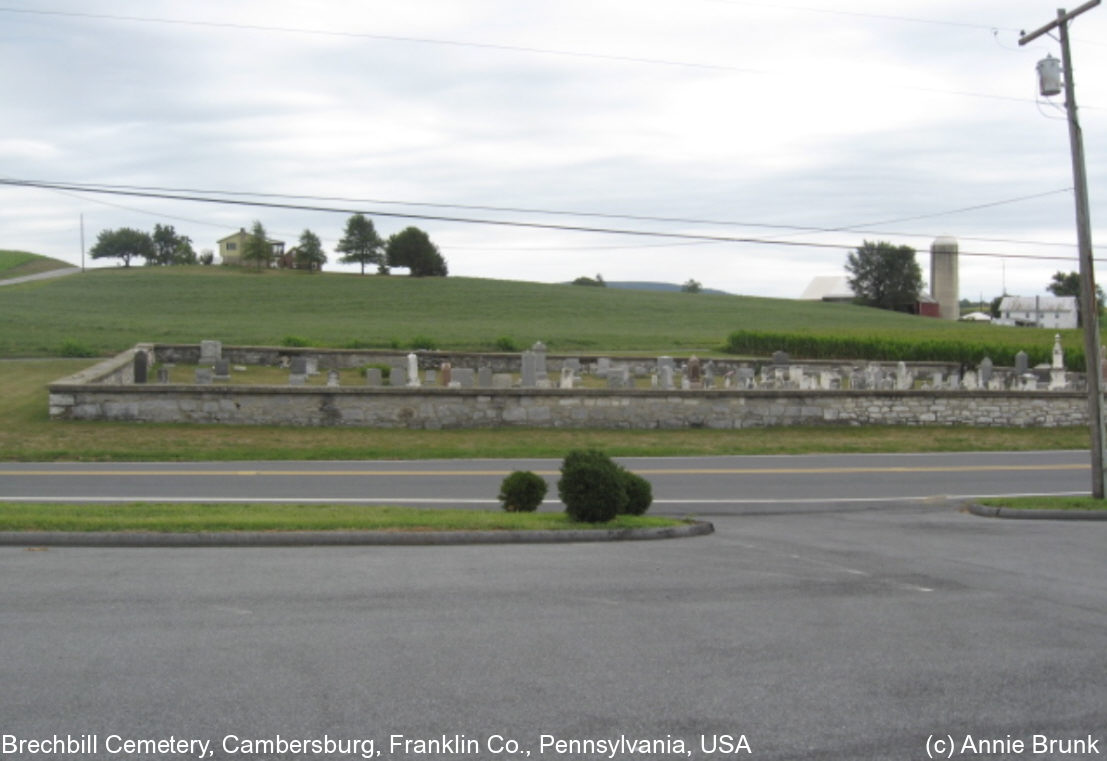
point(361, 244)
point(412, 248)
point(309, 254)
point(884, 276)
point(257, 247)
point(1069, 285)
point(170, 248)
point(124, 243)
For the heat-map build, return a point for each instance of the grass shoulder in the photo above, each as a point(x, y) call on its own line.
point(211, 518)
point(1061, 503)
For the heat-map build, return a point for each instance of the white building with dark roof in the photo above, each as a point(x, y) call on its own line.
point(1038, 311)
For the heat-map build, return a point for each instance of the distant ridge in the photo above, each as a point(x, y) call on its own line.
point(647, 285)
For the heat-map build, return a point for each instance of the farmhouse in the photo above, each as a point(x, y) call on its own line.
point(1038, 311)
point(230, 248)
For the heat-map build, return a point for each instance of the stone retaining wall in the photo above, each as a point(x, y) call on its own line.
point(435, 408)
point(107, 391)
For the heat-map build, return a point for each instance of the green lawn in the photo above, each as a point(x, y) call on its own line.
point(1046, 503)
point(107, 310)
point(27, 434)
point(20, 264)
point(188, 518)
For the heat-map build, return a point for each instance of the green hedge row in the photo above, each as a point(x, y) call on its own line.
point(890, 349)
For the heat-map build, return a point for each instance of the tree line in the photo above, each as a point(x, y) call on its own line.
point(360, 244)
point(888, 277)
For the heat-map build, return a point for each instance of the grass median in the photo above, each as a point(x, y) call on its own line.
point(211, 518)
point(1064, 504)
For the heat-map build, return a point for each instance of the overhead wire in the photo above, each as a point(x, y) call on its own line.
point(84, 188)
point(853, 228)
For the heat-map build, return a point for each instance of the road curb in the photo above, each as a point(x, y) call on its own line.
point(342, 538)
point(1054, 515)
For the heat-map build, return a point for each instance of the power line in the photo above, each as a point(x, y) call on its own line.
point(857, 228)
point(481, 221)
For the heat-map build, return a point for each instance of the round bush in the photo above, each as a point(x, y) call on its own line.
point(591, 487)
point(522, 491)
point(639, 493)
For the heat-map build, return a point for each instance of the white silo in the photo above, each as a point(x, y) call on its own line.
point(943, 277)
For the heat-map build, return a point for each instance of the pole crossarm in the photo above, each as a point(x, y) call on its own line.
point(1062, 18)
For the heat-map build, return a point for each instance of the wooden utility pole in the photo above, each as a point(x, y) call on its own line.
point(1089, 310)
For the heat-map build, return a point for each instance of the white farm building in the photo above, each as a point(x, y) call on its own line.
point(1038, 311)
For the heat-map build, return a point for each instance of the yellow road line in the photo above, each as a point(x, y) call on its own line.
point(502, 472)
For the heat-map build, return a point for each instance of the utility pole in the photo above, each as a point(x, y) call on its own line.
point(1089, 311)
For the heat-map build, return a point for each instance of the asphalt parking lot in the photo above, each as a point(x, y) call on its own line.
point(862, 632)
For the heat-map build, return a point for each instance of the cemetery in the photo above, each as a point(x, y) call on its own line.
point(212, 383)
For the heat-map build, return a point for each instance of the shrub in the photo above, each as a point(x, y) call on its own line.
point(591, 486)
point(522, 491)
point(503, 343)
point(71, 348)
point(639, 493)
point(423, 342)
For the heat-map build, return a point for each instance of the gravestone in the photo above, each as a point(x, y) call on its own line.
point(484, 377)
point(666, 380)
point(904, 379)
point(694, 373)
point(430, 377)
point(1022, 363)
point(969, 381)
point(210, 351)
point(746, 378)
point(665, 362)
point(163, 375)
point(297, 374)
point(530, 369)
point(203, 376)
point(398, 376)
point(985, 369)
point(1057, 380)
point(502, 380)
point(566, 378)
point(446, 374)
point(141, 363)
point(539, 351)
point(222, 370)
point(573, 363)
point(312, 365)
point(373, 377)
point(781, 358)
point(462, 377)
point(332, 378)
point(412, 370)
point(603, 364)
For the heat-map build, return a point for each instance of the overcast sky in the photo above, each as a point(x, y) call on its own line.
point(757, 120)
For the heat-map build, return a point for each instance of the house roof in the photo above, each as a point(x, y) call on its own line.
point(827, 287)
point(1038, 304)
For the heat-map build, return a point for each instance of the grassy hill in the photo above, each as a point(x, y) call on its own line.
point(20, 264)
point(106, 310)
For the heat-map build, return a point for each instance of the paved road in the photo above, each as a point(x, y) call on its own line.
point(41, 276)
point(847, 633)
point(701, 485)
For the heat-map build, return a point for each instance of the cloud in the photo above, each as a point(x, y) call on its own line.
point(830, 115)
